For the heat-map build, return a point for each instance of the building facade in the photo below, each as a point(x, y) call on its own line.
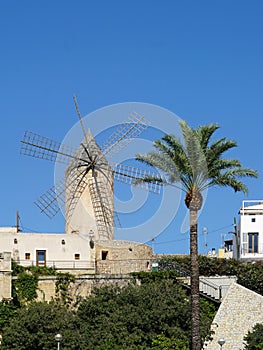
point(75, 253)
point(248, 240)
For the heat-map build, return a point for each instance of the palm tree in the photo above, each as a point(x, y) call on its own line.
point(195, 164)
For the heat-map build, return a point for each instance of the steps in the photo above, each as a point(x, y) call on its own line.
point(213, 287)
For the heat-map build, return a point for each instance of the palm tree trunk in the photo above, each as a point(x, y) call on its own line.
point(195, 301)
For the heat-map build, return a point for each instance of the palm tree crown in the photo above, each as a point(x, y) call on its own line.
point(196, 163)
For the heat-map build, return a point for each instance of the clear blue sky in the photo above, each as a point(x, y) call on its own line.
point(201, 60)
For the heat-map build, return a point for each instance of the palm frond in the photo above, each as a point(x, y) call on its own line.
point(216, 150)
point(204, 134)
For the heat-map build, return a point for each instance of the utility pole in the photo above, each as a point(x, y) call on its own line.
point(17, 221)
point(235, 233)
point(205, 231)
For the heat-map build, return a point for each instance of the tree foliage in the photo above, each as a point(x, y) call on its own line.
point(133, 316)
point(34, 327)
point(254, 339)
point(248, 275)
point(153, 315)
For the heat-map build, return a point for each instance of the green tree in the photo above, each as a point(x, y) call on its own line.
point(254, 339)
point(8, 311)
point(133, 316)
point(194, 165)
point(34, 327)
point(161, 342)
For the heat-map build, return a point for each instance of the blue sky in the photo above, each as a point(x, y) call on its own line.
point(201, 60)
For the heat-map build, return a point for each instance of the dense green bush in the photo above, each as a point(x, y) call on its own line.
point(254, 339)
point(248, 275)
point(154, 315)
point(34, 327)
point(25, 287)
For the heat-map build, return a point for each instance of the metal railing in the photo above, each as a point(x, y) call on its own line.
point(60, 264)
point(245, 249)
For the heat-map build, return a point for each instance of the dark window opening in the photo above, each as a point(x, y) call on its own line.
point(27, 256)
point(104, 254)
point(253, 220)
point(77, 256)
point(15, 241)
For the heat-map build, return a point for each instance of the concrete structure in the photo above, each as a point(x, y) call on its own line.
point(5, 276)
point(239, 311)
point(248, 242)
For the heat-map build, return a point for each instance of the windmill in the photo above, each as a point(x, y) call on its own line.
point(86, 192)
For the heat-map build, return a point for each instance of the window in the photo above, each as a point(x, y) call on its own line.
point(104, 254)
point(77, 256)
point(253, 220)
point(27, 256)
point(41, 258)
point(253, 242)
point(15, 241)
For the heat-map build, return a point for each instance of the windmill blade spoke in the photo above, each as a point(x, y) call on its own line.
point(38, 146)
point(132, 127)
point(51, 202)
point(48, 202)
point(76, 184)
point(135, 176)
point(117, 221)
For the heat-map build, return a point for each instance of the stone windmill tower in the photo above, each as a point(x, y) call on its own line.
point(90, 195)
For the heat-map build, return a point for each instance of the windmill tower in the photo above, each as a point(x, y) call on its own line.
point(94, 209)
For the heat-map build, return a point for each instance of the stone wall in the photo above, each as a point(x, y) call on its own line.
point(240, 310)
point(82, 287)
point(5, 276)
point(122, 257)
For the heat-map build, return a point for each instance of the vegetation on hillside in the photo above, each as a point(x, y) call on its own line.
point(248, 275)
point(154, 315)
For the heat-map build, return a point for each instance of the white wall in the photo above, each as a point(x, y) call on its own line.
point(249, 224)
point(51, 243)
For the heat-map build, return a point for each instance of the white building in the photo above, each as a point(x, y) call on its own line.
point(248, 241)
point(62, 251)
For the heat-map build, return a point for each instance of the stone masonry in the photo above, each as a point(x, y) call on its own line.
point(240, 310)
point(82, 287)
point(5, 275)
point(122, 257)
